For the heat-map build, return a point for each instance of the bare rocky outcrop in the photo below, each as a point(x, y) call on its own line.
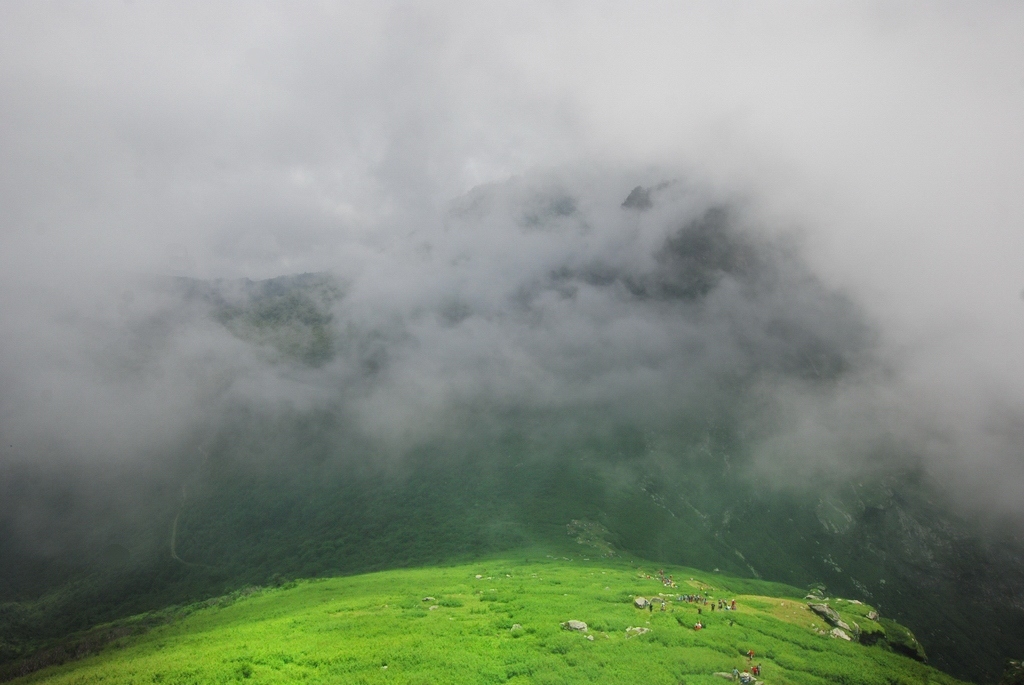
point(826, 612)
point(832, 616)
point(835, 620)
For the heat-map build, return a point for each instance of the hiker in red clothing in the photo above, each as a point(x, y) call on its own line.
point(734, 605)
point(750, 655)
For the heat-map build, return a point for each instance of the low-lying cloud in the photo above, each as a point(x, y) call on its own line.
point(804, 223)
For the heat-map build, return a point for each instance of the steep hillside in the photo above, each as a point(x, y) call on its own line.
point(235, 527)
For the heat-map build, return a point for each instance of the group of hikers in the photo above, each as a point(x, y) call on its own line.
point(753, 670)
point(667, 581)
point(700, 599)
point(722, 604)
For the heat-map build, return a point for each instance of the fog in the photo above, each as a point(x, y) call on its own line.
point(461, 170)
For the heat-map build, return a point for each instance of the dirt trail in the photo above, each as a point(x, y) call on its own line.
point(174, 531)
point(174, 539)
point(174, 526)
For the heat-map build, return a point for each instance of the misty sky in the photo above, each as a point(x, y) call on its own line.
point(251, 139)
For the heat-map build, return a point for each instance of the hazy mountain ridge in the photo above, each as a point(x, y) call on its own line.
point(290, 314)
point(637, 374)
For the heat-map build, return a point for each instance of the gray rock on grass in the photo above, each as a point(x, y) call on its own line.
point(826, 612)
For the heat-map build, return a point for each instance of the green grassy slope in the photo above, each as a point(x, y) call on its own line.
point(495, 621)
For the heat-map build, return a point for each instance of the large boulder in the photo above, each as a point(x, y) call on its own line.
point(832, 616)
point(640, 602)
point(826, 612)
point(575, 625)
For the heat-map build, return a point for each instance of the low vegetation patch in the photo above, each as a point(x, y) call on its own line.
point(505, 620)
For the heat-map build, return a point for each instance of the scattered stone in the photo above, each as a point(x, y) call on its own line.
point(640, 602)
point(516, 626)
point(722, 674)
point(575, 625)
point(429, 599)
point(478, 576)
point(873, 615)
point(841, 634)
point(633, 631)
point(590, 637)
point(432, 607)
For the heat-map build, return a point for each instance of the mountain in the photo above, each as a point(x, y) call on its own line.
point(669, 391)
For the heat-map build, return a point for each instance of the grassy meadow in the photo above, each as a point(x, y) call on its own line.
point(497, 621)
